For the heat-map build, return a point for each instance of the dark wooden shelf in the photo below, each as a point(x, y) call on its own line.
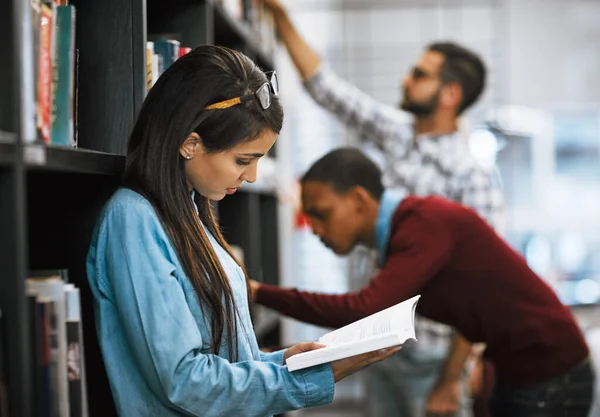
point(38, 157)
point(7, 148)
point(63, 159)
point(230, 32)
point(51, 196)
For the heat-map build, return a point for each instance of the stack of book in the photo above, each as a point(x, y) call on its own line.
point(56, 337)
point(160, 55)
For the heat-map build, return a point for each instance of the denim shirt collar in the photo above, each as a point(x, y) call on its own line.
point(193, 196)
point(390, 200)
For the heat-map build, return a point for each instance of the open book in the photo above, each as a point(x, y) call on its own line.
point(387, 328)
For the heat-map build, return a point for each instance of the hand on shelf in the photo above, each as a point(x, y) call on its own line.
point(305, 58)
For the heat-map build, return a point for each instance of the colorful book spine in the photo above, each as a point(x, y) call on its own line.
point(64, 70)
point(183, 50)
point(149, 54)
point(52, 289)
point(44, 89)
point(168, 49)
point(156, 65)
point(75, 363)
point(47, 400)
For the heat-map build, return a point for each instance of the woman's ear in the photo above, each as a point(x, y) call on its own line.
point(191, 145)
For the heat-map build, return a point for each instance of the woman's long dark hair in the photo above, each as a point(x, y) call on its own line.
point(173, 109)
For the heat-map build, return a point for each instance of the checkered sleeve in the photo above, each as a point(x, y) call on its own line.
point(482, 190)
point(375, 122)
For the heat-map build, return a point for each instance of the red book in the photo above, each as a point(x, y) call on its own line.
point(184, 50)
point(44, 92)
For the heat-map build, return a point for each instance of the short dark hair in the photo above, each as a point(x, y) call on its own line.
point(344, 168)
point(463, 67)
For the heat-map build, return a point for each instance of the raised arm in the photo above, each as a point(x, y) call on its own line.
point(306, 60)
point(166, 342)
point(374, 121)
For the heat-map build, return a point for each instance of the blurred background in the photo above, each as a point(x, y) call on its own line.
point(538, 120)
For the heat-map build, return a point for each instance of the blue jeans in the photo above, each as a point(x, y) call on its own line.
point(568, 395)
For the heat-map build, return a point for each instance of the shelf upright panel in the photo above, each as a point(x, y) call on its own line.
point(17, 115)
point(110, 36)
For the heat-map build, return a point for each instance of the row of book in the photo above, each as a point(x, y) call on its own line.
point(160, 55)
point(55, 71)
point(57, 354)
point(56, 61)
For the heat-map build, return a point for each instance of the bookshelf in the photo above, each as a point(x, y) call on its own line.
point(50, 196)
point(38, 157)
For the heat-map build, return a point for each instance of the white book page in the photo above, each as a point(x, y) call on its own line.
point(396, 319)
point(390, 327)
point(333, 353)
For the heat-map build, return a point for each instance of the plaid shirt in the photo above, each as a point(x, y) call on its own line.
point(420, 165)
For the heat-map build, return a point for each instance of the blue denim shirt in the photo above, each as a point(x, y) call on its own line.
point(390, 200)
point(155, 339)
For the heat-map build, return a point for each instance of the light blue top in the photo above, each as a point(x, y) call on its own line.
point(390, 200)
point(155, 339)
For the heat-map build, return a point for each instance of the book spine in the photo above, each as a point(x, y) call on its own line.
point(183, 50)
point(53, 363)
point(168, 50)
point(44, 99)
point(64, 68)
point(75, 363)
point(149, 53)
point(52, 288)
point(155, 68)
point(76, 101)
point(74, 369)
point(35, 340)
point(36, 8)
point(47, 400)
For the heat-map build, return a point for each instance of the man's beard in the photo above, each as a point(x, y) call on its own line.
point(420, 109)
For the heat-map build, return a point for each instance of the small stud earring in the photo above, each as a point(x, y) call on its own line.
point(187, 157)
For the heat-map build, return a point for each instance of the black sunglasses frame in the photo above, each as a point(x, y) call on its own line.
point(272, 86)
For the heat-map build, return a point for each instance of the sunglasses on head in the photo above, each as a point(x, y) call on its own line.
point(263, 94)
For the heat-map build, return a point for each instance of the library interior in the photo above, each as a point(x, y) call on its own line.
point(377, 190)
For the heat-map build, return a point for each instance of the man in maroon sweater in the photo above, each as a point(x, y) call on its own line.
point(468, 278)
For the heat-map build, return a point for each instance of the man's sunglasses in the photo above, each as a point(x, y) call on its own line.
point(263, 94)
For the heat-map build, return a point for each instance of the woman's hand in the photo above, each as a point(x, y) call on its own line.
point(301, 347)
point(346, 367)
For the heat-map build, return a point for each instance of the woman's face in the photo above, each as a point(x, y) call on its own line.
point(214, 175)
